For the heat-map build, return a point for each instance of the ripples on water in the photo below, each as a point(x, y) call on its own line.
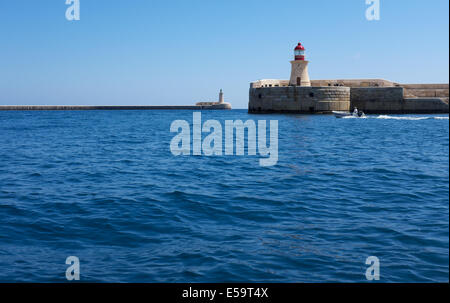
point(104, 186)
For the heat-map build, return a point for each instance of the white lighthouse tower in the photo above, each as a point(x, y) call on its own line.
point(221, 96)
point(299, 71)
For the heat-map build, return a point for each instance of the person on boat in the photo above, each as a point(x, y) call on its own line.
point(355, 112)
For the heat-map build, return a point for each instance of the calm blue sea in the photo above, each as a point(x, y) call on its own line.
point(104, 186)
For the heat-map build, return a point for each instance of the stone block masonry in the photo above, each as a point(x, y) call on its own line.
point(299, 99)
point(391, 100)
point(373, 99)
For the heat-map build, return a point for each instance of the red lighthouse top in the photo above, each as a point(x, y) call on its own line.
point(299, 47)
point(299, 52)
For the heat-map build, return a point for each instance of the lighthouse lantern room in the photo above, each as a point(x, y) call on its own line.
point(299, 52)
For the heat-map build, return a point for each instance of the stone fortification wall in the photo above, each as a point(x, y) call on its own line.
point(391, 100)
point(369, 95)
point(426, 90)
point(298, 99)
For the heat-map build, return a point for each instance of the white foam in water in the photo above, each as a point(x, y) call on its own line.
point(402, 118)
point(386, 117)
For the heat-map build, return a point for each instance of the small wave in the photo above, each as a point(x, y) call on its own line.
point(441, 118)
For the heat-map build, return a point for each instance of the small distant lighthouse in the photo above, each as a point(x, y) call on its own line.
point(221, 96)
point(221, 104)
point(299, 71)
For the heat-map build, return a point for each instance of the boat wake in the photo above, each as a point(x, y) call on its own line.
point(386, 117)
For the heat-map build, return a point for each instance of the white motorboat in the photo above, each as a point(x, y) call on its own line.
point(356, 114)
point(340, 114)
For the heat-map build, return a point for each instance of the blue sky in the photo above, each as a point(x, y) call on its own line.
point(139, 52)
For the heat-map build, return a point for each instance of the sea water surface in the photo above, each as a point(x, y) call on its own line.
point(105, 187)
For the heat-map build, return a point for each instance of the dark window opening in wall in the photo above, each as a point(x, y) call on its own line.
point(270, 85)
point(311, 109)
point(299, 81)
point(259, 96)
point(311, 95)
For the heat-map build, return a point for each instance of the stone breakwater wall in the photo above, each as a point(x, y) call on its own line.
point(426, 90)
point(298, 99)
point(276, 96)
point(391, 100)
point(225, 106)
point(373, 99)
